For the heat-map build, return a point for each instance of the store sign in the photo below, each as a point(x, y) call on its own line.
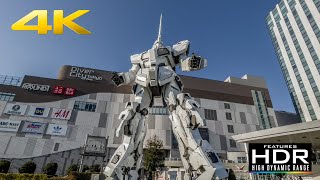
point(61, 114)
point(33, 127)
point(39, 111)
point(84, 74)
point(58, 90)
point(9, 125)
point(15, 109)
point(57, 129)
point(36, 87)
point(68, 91)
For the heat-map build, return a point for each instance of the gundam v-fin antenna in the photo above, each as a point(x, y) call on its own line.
point(158, 42)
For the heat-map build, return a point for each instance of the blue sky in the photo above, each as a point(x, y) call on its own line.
point(231, 34)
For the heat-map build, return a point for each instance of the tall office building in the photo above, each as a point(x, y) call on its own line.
point(294, 29)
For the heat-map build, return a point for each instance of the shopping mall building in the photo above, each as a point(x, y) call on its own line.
point(48, 120)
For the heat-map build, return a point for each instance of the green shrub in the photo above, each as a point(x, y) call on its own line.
point(85, 168)
point(95, 168)
point(232, 176)
point(50, 169)
point(4, 166)
point(11, 176)
point(78, 176)
point(29, 167)
point(72, 168)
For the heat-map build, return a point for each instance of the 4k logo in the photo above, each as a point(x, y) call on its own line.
point(59, 21)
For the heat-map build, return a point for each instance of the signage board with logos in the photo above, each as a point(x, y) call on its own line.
point(61, 113)
point(57, 129)
point(38, 111)
point(15, 109)
point(9, 125)
point(84, 74)
point(35, 87)
point(33, 127)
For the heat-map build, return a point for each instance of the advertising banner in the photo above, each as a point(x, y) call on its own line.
point(57, 129)
point(15, 109)
point(9, 125)
point(39, 111)
point(33, 127)
point(61, 114)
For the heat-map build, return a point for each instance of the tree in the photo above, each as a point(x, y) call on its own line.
point(232, 176)
point(50, 169)
point(4, 166)
point(154, 155)
point(95, 168)
point(29, 167)
point(71, 168)
point(85, 168)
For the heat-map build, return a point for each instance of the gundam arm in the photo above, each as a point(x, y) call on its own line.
point(193, 63)
point(125, 77)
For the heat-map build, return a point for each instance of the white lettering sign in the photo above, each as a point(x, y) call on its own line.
point(85, 74)
point(61, 114)
point(57, 129)
point(15, 109)
point(36, 87)
point(39, 111)
point(9, 125)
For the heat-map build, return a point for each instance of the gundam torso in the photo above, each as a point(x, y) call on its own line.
point(156, 67)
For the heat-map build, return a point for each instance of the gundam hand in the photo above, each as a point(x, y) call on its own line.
point(193, 63)
point(196, 62)
point(117, 79)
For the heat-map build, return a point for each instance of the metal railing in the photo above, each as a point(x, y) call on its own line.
point(11, 80)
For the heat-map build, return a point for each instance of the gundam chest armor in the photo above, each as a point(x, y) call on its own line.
point(153, 74)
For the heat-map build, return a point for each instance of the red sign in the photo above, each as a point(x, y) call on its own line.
point(70, 91)
point(58, 90)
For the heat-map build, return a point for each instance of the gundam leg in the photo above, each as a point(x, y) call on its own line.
point(126, 161)
point(198, 157)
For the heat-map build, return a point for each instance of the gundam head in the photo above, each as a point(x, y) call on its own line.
point(158, 43)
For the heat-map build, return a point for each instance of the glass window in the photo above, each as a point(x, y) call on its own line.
point(158, 110)
point(210, 114)
point(228, 116)
point(6, 96)
point(233, 143)
point(226, 106)
point(230, 129)
point(85, 106)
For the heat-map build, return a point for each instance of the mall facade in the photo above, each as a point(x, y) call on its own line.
point(48, 120)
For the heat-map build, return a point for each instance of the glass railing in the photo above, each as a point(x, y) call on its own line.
point(11, 80)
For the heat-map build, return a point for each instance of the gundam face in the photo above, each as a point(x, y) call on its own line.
point(153, 74)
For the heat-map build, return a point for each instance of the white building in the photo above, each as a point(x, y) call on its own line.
point(54, 116)
point(294, 29)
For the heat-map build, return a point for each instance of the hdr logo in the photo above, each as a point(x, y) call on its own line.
point(280, 158)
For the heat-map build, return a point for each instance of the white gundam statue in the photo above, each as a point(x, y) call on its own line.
point(153, 74)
